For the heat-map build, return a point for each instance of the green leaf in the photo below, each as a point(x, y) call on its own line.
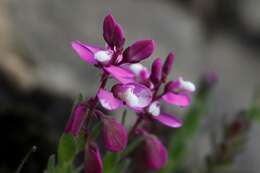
point(122, 166)
point(109, 161)
point(66, 148)
point(124, 117)
point(96, 130)
point(80, 142)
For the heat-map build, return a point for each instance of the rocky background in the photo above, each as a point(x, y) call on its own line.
point(38, 67)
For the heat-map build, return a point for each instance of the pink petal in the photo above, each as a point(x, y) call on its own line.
point(108, 101)
point(122, 75)
point(169, 120)
point(93, 162)
point(85, 53)
point(176, 99)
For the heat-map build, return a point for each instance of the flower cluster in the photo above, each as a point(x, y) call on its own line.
point(138, 88)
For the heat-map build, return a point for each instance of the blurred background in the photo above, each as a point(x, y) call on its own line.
point(40, 75)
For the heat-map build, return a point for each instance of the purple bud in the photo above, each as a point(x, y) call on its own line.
point(113, 33)
point(93, 161)
point(114, 134)
point(76, 120)
point(139, 51)
point(167, 66)
point(155, 154)
point(156, 71)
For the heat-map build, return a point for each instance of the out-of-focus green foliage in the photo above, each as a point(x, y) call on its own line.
point(179, 140)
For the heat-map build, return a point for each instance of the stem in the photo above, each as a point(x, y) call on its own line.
point(135, 126)
point(94, 102)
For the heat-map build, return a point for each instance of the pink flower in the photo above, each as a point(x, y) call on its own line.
point(110, 58)
point(142, 95)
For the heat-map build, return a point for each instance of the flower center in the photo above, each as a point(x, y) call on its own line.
point(154, 108)
point(103, 56)
point(136, 68)
point(131, 98)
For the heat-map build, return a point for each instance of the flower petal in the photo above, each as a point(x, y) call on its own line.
point(122, 75)
point(169, 120)
point(84, 52)
point(108, 101)
point(113, 33)
point(176, 99)
point(134, 95)
point(93, 162)
point(139, 51)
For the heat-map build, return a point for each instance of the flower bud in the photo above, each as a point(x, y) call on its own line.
point(156, 71)
point(114, 134)
point(155, 154)
point(139, 51)
point(167, 66)
point(76, 120)
point(93, 161)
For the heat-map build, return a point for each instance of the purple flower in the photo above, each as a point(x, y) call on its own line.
point(108, 101)
point(112, 57)
point(114, 134)
point(76, 120)
point(134, 95)
point(93, 162)
point(155, 153)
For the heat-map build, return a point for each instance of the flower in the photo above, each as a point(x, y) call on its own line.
point(111, 58)
point(142, 96)
point(76, 120)
point(93, 162)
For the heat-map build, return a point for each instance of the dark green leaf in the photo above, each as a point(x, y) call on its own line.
point(66, 148)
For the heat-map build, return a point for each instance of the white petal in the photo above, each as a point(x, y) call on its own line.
point(187, 85)
point(154, 108)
